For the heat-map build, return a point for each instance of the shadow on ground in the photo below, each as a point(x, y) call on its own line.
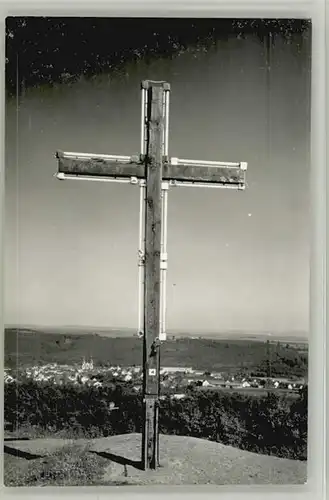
point(16, 439)
point(20, 454)
point(119, 459)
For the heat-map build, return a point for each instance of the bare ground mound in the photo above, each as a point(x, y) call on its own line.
point(183, 461)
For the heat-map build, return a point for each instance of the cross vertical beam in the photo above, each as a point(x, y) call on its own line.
point(152, 277)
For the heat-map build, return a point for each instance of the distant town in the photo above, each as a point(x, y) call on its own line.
point(174, 381)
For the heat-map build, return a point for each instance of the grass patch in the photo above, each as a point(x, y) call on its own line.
point(69, 466)
point(114, 461)
point(27, 431)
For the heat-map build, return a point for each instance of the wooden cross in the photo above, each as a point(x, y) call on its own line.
point(154, 172)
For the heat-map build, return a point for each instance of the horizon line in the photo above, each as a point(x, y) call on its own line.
point(302, 333)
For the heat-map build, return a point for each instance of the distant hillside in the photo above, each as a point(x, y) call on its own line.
point(25, 346)
point(76, 330)
point(296, 337)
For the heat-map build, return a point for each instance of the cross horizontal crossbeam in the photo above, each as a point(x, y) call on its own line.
point(175, 170)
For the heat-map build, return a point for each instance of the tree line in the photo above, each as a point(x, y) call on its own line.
point(272, 425)
point(48, 50)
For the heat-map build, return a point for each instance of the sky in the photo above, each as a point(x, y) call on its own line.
point(238, 260)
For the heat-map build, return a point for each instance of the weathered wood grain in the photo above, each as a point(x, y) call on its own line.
point(152, 271)
point(108, 168)
point(203, 174)
point(101, 168)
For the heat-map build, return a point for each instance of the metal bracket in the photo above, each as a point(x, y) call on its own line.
point(165, 186)
point(141, 258)
point(60, 176)
point(243, 165)
point(146, 84)
point(133, 180)
point(155, 346)
point(164, 261)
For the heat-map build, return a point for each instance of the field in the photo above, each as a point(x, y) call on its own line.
point(25, 347)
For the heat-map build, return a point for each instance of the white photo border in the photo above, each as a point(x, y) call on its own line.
point(315, 488)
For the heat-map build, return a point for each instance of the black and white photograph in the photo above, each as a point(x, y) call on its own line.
point(157, 251)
